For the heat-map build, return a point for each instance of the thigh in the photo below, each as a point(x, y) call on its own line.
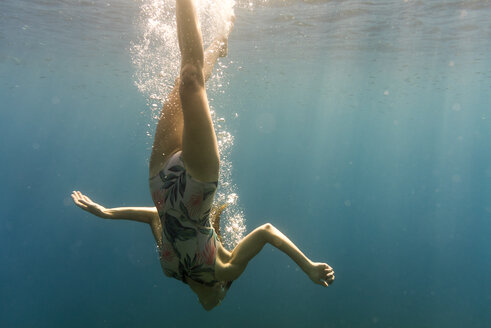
point(199, 145)
point(168, 135)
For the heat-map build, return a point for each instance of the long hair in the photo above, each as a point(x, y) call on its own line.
point(215, 213)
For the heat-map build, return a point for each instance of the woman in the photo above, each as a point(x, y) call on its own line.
point(184, 168)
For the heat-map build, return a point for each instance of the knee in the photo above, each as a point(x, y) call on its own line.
point(191, 78)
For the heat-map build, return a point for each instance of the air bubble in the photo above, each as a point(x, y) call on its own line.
point(155, 55)
point(232, 198)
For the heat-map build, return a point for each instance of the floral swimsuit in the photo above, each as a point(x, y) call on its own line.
point(184, 204)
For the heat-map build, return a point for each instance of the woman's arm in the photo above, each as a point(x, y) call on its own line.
point(140, 214)
point(251, 245)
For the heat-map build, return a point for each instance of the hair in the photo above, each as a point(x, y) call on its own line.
point(215, 213)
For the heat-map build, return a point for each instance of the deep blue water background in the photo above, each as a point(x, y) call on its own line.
point(363, 133)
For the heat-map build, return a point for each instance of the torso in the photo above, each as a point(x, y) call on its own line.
point(189, 243)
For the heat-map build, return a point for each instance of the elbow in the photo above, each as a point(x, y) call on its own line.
point(270, 234)
point(267, 228)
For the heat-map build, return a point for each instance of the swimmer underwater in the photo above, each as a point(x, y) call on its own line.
point(184, 169)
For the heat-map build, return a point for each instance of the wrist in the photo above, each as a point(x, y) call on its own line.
point(105, 213)
point(307, 265)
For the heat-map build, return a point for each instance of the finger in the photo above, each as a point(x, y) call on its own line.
point(325, 284)
point(82, 206)
point(79, 202)
point(326, 266)
point(75, 199)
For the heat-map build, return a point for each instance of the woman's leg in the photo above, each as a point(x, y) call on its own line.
point(168, 135)
point(199, 145)
point(169, 132)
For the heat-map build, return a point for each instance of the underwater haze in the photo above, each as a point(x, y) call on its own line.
point(361, 129)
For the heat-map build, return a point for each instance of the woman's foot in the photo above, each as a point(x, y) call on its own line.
point(223, 48)
point(321, 273)
point(223, 41)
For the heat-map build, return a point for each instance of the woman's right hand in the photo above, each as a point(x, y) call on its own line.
point(88, 205)
point(321, 273)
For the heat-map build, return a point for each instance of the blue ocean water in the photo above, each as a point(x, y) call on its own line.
point(362, 131)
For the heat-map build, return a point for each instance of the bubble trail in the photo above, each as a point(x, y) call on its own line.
point(156, 57)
